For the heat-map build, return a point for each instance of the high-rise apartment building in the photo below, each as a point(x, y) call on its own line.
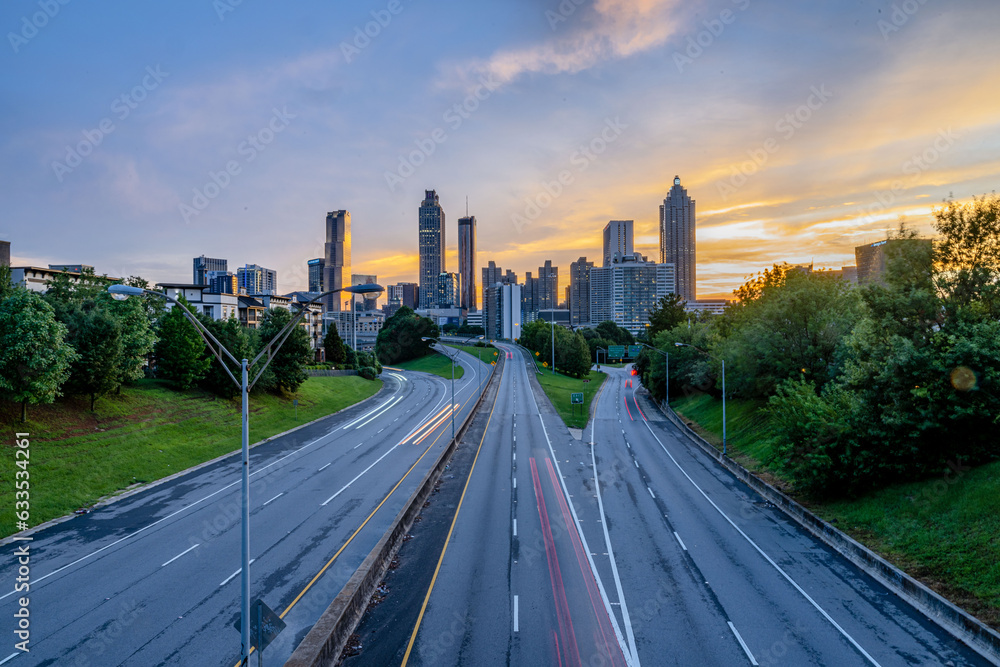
point(548, 286)
point(254, 279)
point(578, 298)
point(677, 238)
point(316, 267)
point(502, 311)
point(337, 258)
point(431, 230)
point(406, 293)
point(619, 237)
point(202, 265)
point(4, 253)
point(222, 282)
point(467, 261)
point(628, 290)
point(449, 290)
point(370, 301)
point(529, 298)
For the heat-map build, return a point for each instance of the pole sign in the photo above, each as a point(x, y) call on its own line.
point(576, 398)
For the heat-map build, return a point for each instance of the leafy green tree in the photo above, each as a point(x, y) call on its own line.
point(292, 355)
point(66, 290)
point(334, 347)
point(234, 337)
point(667, 314)
point(400, 337)
point(968, 253)
point(96, 336)
point(180, 358)
point(137, 336)
point(6, 282)
point(612, 332)
point(35, 358)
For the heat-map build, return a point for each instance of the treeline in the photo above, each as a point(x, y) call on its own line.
point(864, 386)
point(575, 350)
point(77, 340)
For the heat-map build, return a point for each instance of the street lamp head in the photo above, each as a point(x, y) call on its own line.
point(122, 292)
point(680, 344)
point(364, 289)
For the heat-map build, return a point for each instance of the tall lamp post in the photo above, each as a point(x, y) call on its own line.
point(122, 292)
point(479, 358)
point(452, 381)
point(666, 370)
point(598, 351)
point(723, 389)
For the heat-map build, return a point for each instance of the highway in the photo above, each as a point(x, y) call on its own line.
point(640, 549)
point(153, 579)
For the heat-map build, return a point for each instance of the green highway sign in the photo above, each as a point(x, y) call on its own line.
point(576, 398)
point(634, 350)
point(616, 351)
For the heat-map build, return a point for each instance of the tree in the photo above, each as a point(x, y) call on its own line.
point(234, 337)
point(137, 336)
point(400, 337)
point(968, 254)
point(667, 314)
point(96, 335)
point(614, 333)
point(289, 359)
point(180, 358)
point(333, 344)
point(35, 358)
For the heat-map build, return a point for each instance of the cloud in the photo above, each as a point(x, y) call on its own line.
point(609, 30)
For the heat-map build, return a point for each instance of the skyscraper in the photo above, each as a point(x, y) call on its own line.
point(548, 286)
point(467, 261)
point(619, 236)
point(627, 290)
point(677, 238)
point(254, 279)
point(316, 267)
point(202, 265)
point(579, 291)
point(337, 269)
point(431, 246)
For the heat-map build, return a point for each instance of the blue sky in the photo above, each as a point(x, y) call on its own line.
point(801, 129)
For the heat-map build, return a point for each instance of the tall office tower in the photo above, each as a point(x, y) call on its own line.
point(432, 247)
point(202, 265)
point(337, 258)
point(253, 279)
point(529, 298)
point(548, 286)
point(626, 291)
point(222, 282)
point(370, 301)
point(449, 290)
point(619, 236)
point(579, 291)
point(316, 267)
point(467, 261)
point(502, 311)
point(677, 239)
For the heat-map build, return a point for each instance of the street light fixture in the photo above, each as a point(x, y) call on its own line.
point(666, 370)
point(122, 292)
point(452, 381)
point(723, 389)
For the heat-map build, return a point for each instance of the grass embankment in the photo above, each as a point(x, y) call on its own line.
point(944, 531)
point(488, 354)
point(558, 388)
point(147, 432)
point(436, 364)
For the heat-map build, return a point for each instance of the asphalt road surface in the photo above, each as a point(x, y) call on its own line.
point(154, 579)
point(640, 549)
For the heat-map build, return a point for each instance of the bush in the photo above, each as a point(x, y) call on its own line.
point(367, 372)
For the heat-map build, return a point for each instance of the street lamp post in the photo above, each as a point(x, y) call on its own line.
point(666, 371)
point(598, 351)
point(122, 292)
point(723, 389)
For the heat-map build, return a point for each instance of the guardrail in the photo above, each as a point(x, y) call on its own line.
point(956, 621)
point(325, 642)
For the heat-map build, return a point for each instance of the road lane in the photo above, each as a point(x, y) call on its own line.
point(104, 592)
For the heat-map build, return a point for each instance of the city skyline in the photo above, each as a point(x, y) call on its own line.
point(795, 151)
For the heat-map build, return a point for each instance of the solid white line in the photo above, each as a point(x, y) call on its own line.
point(629, 652)
point(179, 555)
point(766, 557)
point(680, 541)
point(326, 466)
point(515, 527)
point(230, 577)
point(358, 476)
point(515, 482)
point(275, 498)
point(515, 617)
point(746, 649)
point(14, 655)
point(650, 492)
point(379, 413)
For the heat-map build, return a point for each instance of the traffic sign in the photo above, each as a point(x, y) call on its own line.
point(576, 398)
point(586, 380)
point(616, 351)
point(634, 350)
point(265, 625)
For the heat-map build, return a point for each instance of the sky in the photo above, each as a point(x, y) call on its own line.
point(139, 135)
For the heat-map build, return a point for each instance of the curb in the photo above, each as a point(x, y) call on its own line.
point(325, 642)
point(103, 502)
point(954, 620)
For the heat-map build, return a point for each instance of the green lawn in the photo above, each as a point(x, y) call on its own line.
point(558, 388)
point(437, 364)
point(145, 433)
point(944, 531)
point(487, 354)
